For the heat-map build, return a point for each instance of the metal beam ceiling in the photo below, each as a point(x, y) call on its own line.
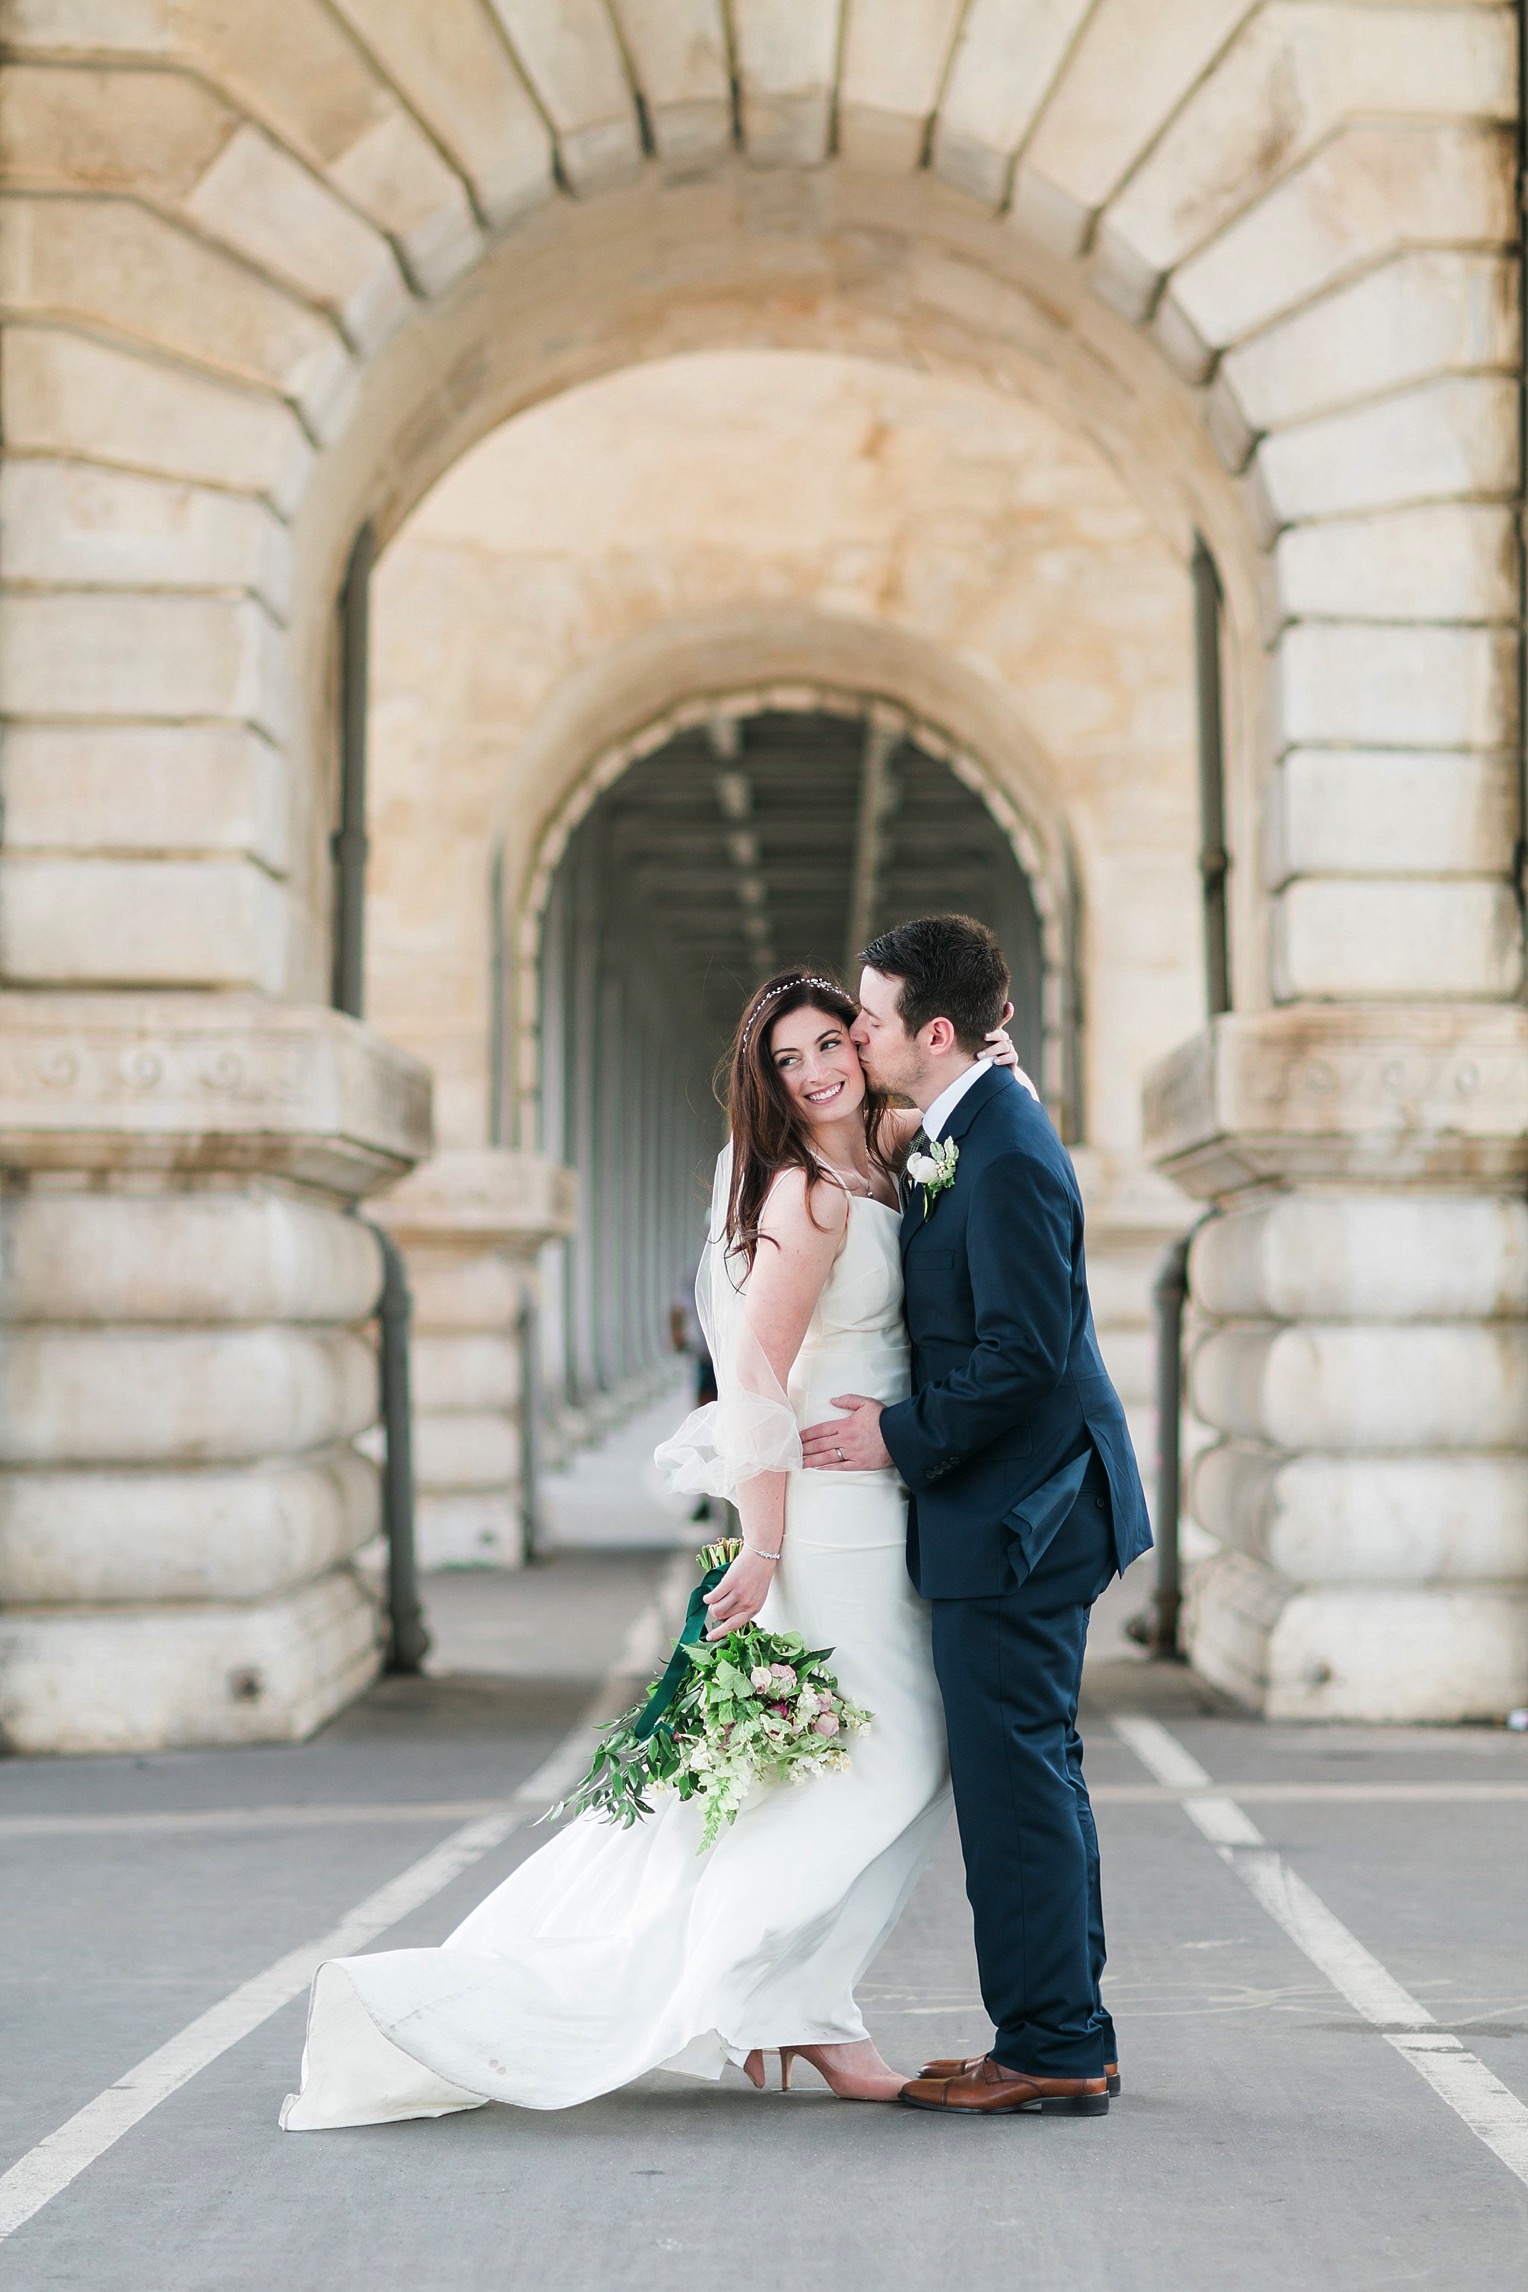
point(751, 843)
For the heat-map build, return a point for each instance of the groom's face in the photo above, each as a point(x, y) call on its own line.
point(893, 1059)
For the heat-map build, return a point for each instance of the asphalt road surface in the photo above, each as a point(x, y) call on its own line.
point(1287, 1908)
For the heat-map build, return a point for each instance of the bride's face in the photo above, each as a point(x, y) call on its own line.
point(818, 1065)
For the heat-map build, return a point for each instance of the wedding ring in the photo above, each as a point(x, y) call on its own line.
point(838, 1452)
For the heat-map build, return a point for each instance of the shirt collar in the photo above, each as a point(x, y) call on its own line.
point(936, 1116)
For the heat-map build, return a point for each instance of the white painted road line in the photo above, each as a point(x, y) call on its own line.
point(1220, 1819)
point(1351, 1969)
point(1492, 2112)
point(189, 1822)
point(377, 1813)
point(55, 2162)
point(1162, 1754)
point(49, 2168)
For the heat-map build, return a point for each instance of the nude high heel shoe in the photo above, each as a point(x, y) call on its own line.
point(847, 2084)
point(757, 2074)
point(756, 2071)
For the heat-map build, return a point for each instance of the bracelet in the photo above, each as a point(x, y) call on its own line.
point(760, 1555)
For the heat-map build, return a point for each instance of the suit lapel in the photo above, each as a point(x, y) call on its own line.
point(912, 1217)
point(994, 1080)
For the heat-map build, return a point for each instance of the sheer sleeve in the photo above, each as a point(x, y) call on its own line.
point(750, 1428)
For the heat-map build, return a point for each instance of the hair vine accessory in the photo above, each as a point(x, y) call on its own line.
point(807, 979)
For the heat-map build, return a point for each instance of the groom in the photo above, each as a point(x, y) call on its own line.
point(1025, 1501)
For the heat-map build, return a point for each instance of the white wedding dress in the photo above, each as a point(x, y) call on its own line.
point(614, 1952)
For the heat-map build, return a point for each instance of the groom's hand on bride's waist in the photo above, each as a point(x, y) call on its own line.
point(849, 1443)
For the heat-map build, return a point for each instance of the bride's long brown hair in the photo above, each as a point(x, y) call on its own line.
point(768, 1135)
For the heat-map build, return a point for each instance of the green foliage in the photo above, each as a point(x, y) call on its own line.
point(755, 1707)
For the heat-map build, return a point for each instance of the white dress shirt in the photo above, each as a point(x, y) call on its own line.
point(936, 1116)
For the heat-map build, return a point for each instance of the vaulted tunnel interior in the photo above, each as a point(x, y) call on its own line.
point(744, 845)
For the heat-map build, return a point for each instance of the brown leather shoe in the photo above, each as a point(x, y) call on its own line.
point(953, 2068)
point(990, 2090)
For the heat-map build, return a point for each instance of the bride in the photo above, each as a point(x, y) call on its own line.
point(614, 1952)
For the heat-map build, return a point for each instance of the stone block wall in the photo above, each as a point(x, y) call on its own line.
point(472, 1225)
point(1362, 1290)
point(266, 273)
point(186, 1358)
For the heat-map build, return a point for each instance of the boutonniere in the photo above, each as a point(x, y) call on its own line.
point(934, 1171)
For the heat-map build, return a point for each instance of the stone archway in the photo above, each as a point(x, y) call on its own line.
point(269, 272)
point(1044, 864)
point(948, 590)
point(741, 833)
point(303, 269)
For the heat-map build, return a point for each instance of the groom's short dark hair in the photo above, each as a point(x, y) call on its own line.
point(951, 967)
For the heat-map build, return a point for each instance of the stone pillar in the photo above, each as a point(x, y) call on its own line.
point(1133, 1216)
point(185, 1359)
point(1362, 1289)
point(471, 1225)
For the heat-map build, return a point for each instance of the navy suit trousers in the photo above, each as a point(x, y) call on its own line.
point(1010, 1670)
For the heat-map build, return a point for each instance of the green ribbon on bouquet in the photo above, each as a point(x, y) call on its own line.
point(718, 1559)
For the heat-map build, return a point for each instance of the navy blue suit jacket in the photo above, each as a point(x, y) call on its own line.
point(1010, 1396)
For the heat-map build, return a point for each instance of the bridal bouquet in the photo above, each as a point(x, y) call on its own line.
point(755, 1707)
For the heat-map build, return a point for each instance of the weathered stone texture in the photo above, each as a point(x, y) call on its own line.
point(145, 789)
point(153, 1679)
point(574, 64)
point(68, 524)
point(787, 55)
point(1294, 74)
point(116, 266)
point(149, 923)
point(472, 1225)
point(1004, 63)
point(679, 52)
point(851, 493)
point(124, 1539)
point(1362, 196)
point(89, 655)
point(1132, 63)
point(65, 394)
point(1376, 811)
point(1439, 562)
point(450, 64)
point(894, 60)
point(238, 320)
point(303, 75)
point(1363, 1360)
point(1427, 312)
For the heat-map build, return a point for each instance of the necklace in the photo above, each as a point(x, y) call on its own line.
point(850, 1180)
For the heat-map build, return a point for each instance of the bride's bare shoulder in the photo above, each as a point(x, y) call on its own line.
point(797, 1209)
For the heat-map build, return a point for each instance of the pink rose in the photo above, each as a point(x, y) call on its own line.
point(828, 1723)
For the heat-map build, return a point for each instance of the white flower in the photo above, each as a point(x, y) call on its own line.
point(761, 1678)
point(808, 1701)
point(700, 1759)
point(936, 1171)
point(783, 1676)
